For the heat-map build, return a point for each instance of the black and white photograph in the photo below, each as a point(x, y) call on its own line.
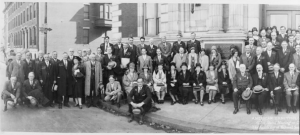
point(173, 66)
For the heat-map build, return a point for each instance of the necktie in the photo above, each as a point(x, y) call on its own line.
point(276, 74)
point(139, 89)
point(184, 75)
point(66, 64)
point(106, 48)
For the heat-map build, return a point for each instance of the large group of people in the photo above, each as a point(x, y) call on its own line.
point(144, 74)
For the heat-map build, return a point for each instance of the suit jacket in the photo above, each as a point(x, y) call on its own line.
point(169, 78)
point(253, 50)
point(274, 57)
point(165, 49)
point(176, 46)
point(285, 58)
point(55, 64)
point(144, 95)
point(163, 59)
point(199, 78)
point(9, 89)
point(289, 80)
point(47, 74)
point(281, 38)
point(139, 49)
point(103, 48)
point(187, 79)
point(106, 60)
point(240, 81)
point(296, 61)
point(134, 54)
point(116, 87)
point(129, 54)
point(260, 40)
point(178, 60)
point(264, 81)
point(28, 88)
point(292, 47)
point(37, 64)
point(64, 77)
point(222, 78)
point(248, 61)
point(29, 67)
point(17, 70)
point(117, 49)
point(98, 76)
point(142, 62)
point(151, 51)
point(263, 61)
point(196, 44)
point(276, 44)
point(276, 82)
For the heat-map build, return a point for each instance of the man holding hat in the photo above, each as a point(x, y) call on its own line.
point(113, 91)
point(110, 62)
point(260, 88)
point(33, 90)
point(185, 83)
point(241, 82)
point(11, 92)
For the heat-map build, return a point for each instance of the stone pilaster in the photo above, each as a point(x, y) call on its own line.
point(236, 12)
point(215, 18)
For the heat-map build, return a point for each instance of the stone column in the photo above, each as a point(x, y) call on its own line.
point(151, 18)
point(236, 12)
point(253, 16)
point(215, 18)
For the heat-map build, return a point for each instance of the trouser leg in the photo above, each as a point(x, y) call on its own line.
point(288, 97)
point(295, 97)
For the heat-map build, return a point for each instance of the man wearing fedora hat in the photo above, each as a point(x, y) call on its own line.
point(11, 92)
point(260, 88)
point(241, 82)
point(291, 85)
point(185, 83)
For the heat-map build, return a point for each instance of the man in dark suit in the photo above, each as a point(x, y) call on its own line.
point(291, 44)
point(193, 43)
point(260, 78)
point(47, 77)
point(55, 62)
point(33, 89)
point(160, 59)
point(270, 55)
point(126, 52)
point(118, 47)
point(276, 87)
point(276, 44)
point(139, 98)
point(296, 58)
point(104, 45)
point(166, 48)
point(64, 80)
point(285, 57)
point(261, 59)
point(108, 68)
point(252, 46)
point(151, 50)
point(282, 36)
point(16, 68)
point(71, 56)
point(177, 45)
point(29, 65)
point(38, 61)
point(140, 46)
point(185, 83)
point(11, 92)
point(248, 59)
point(133, 48)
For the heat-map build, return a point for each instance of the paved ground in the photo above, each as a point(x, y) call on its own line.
point(66, 120)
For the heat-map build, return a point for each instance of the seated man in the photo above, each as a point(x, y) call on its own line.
point(241, 81)
point(33, 89)
point(11, 92)
point(276, 87)
point(291, 87)
point(139, 99)
point(113, 91)
point(260, 88)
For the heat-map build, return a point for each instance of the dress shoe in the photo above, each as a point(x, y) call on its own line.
point(223, 102)
point(196, 101)
point(201, 103)
point(172, 102)
point(215, 101)
point(259, 111)
point(235, 110)
point(66, 105)
point(119, 105)
point(178, 101)
point(60, 106)
point(288, 109)
point(209, 101)
point(294, 109)
point(94, 105)
point(131, 118)
point(51, 105)
point(80, 106)
point(276, 111)
point(5, 108)
point(248, 111)
point(279, 109)
point(76, 105)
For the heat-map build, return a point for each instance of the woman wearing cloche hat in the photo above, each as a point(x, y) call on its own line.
point(199, 83)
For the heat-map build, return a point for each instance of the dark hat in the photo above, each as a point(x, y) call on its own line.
point(224, 62)
point(172, 64)
point(183, 64)
point(198, 65)
point(246, 94)
point(78, 58)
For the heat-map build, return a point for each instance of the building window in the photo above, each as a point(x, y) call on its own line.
point(107, 13)
point(101, 12)
point(30, 12)
point(86, 11)
point(34, 10)
point(86, 36)
point(146, 27)
point(34, 36)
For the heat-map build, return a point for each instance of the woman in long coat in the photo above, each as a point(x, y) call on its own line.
point(78, 74)
point(172, 84)
point(130, 78)
point(233, 64)
point(93, 79)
